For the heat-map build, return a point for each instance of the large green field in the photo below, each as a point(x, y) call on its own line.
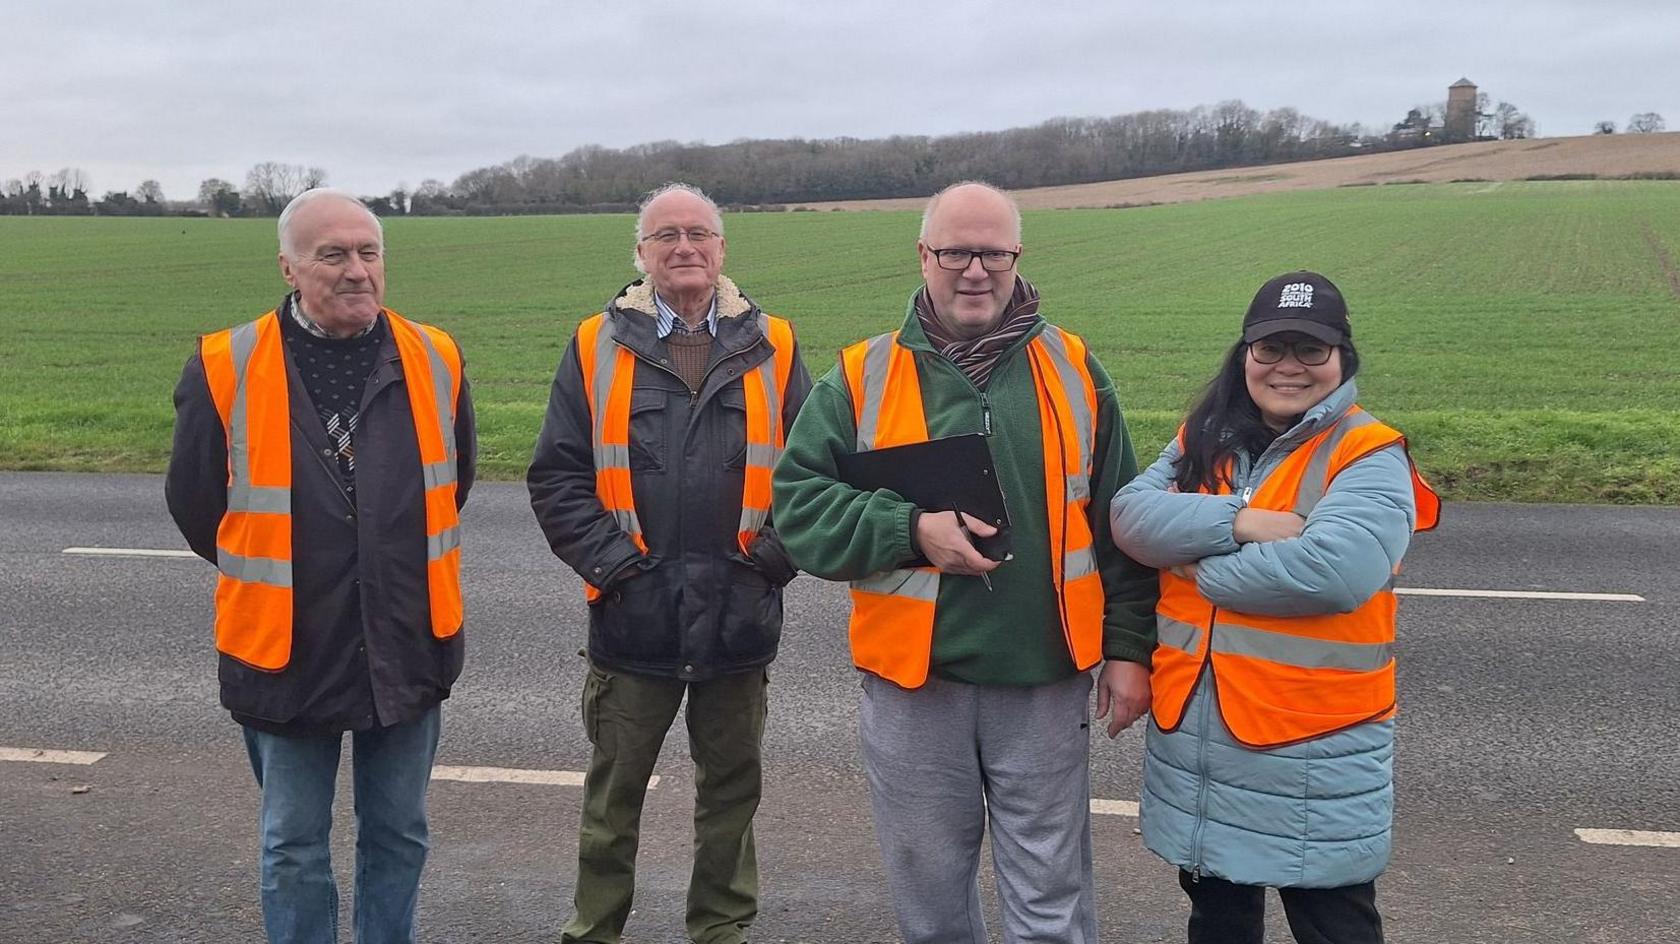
point(1523, 335)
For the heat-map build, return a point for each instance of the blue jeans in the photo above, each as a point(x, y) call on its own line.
point(391, 768)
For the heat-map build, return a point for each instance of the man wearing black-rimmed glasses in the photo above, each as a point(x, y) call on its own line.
point(975, 705)
point(651, 479)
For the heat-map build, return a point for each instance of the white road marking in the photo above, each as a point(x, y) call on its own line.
point(1629, 837)
point(1412, 591)
point(1521, 594)
point(38, 755)
point(127, 552)
point(556, 778)
point(1115, 807)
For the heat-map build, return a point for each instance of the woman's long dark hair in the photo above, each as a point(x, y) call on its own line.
point(1226, 420)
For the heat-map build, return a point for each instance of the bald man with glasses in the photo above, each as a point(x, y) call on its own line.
point(977, 673)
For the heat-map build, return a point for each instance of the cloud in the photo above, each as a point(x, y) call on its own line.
point(382, 92)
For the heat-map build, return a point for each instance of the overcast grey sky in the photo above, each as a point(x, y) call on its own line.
point(380, 93)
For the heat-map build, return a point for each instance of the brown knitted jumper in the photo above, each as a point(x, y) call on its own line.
point(690, 353)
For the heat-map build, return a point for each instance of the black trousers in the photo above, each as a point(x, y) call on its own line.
point(1224, 912)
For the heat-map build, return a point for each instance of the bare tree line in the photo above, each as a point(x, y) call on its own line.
point(749, 173)
point(1060, 151)
point(269, 186)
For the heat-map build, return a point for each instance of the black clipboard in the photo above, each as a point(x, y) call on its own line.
point(938, 475)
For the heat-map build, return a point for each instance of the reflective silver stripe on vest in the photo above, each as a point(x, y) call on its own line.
point(772, 393)
point(1315, 479)
point(909, 583)
point(876, 358)
point(268, 500)
point(443, 389)
point(1080, 563)
point(627, 521)
point(441, 543)
point(609, 455)
point(1301, 651)
point(766, 454)
point(612, 456)
point(438, 473)
point(913, 584)
point(275, 573)
point(243, 496)
point(1178, 634)
point(1078, 478)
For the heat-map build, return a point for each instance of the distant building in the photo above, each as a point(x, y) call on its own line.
point(1461, 115)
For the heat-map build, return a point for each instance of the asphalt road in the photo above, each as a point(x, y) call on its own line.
point(1521, 721)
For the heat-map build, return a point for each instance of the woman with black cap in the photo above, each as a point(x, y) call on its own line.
point(1278, 517)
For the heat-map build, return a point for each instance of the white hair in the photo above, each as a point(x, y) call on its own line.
point(675, 186)
point(933, 204)
point(287, 247)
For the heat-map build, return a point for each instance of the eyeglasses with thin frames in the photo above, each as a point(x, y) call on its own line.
point(670, 237)
point(992, 260)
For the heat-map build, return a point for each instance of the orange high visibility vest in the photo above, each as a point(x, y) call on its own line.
point(1286, 679)
point(608, 375)
point(893, 611)
point(245, 368)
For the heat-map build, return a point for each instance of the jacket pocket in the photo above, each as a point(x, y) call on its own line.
point(595, 683)
point(636, 621)
point(732, 434)
point(647, 429)
point(752, 616)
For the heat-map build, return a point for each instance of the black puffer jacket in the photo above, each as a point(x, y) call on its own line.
point(694, 607)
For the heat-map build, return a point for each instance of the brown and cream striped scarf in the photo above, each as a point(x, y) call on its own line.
point(976, 357)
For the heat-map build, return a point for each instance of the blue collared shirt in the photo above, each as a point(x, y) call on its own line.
point(668, 318)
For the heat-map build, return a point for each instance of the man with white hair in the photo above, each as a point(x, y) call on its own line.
point(977, 671)
point(651, 479)
point(322, 453)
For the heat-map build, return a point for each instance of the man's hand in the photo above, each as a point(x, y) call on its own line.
point(1257, 524)
point(1124, 687)
point(945, 546)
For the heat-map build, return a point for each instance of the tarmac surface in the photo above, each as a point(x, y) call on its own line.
point(1522, 720)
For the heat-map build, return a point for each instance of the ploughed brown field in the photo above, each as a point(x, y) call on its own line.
point(1604, 156)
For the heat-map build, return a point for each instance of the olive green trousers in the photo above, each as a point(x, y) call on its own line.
point(626, 717)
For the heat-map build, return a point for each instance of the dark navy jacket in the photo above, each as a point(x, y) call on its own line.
point(694, 606)
point(363, 654)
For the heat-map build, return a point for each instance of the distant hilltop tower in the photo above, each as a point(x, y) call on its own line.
point(1461, 111)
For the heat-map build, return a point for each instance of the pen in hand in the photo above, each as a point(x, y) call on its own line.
point(984, 578)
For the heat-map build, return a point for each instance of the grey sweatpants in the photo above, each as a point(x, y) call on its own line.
point(944, 759)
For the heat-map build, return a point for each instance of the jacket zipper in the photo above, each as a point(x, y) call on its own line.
point(1202, 761)
point(693, 400)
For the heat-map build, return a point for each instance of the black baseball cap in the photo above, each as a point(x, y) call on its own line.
point(1298, 301)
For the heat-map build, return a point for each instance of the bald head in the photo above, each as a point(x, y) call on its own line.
point(968, 198)
point(300, 206)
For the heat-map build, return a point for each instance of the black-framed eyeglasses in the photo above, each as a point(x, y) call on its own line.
point(992, 260)
point(669, 237)
point(1311, 352)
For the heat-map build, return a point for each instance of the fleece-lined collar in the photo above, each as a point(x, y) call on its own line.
point(638, 296)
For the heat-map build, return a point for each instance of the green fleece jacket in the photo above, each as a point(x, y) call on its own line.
point(1011, 635)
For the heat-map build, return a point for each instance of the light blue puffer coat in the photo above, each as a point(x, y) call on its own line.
point(1316, 814)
